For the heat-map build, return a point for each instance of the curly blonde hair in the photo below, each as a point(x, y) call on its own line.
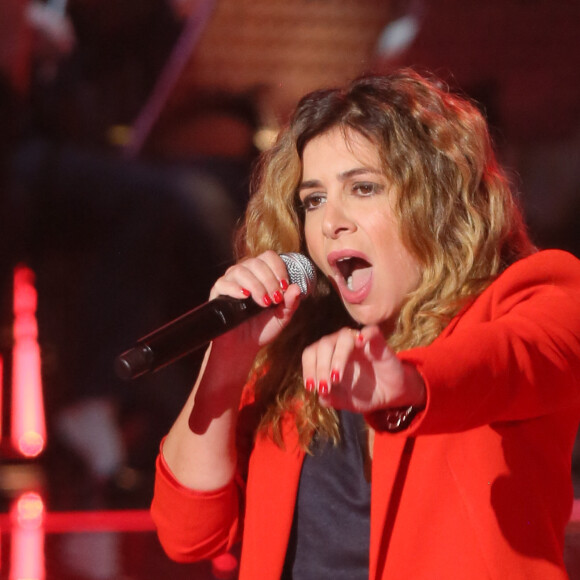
point(456, 211)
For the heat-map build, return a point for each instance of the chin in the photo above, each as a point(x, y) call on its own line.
point(363, 317)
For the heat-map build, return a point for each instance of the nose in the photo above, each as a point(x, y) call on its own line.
point(336, 221)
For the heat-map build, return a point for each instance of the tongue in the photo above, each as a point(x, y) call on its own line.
point(359, 277)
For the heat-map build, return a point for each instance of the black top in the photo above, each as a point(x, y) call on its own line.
point(331, 529)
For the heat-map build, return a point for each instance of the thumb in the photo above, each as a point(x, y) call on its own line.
point(374, 344)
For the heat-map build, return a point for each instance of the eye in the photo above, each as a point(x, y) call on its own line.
point(313, 201)
point(366, 188)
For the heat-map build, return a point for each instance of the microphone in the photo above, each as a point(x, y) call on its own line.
point(201, 325)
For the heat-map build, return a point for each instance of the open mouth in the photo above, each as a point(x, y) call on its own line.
point(355, 271)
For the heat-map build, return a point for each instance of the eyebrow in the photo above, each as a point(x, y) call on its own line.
point(344, 176)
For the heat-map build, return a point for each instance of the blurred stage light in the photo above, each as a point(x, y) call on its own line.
point(28, 427)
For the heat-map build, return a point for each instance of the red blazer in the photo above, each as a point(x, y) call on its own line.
point(479, 486)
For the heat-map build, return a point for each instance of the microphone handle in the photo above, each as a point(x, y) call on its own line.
point(185, 334)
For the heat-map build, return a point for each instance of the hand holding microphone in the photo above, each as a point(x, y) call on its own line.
point(203, 324)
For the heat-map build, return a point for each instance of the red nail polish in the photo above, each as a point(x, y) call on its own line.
point(335, 377)
point(246, 292)
point(284, 285)
point(267, 300)
point(322, 387)
point(277, 297)
point(360, 339)
point(310, 385)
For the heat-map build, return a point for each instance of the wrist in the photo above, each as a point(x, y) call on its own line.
point(414, 387)
point(232, 359)
point(400, 414)
point(222, 378)
point(393, 419)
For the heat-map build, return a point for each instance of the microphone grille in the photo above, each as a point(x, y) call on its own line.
point(300, 271)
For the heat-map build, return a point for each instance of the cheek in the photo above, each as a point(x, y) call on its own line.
point(313, 239)
point(399, 265)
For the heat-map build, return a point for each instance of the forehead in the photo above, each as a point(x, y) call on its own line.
point(340, 146)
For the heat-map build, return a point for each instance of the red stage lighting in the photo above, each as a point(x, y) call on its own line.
point(28, 427)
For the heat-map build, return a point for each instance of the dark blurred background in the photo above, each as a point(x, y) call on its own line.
point(128, 129)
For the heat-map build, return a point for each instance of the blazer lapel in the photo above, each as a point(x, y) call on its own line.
point(270, 498)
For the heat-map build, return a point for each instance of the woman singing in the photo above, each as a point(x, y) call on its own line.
point(414, 418)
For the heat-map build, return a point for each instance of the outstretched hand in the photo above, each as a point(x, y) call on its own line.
point(357, 371)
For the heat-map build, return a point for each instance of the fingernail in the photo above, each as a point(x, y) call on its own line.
point(267, 300)
point(360, 339)
point(245, 292)
point(335, 377)
point(310, 385)
point(322, 387)
point(284, 285)
point(277, 297)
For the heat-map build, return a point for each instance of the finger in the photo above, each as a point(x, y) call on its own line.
point(234, 283)
point(346, 342)
point(278, 267)
point(257, 277)
point(316, 366)
point(361, 337)
point(309, 368)
point(270, 270)
point(333, 353)
point(285, 311)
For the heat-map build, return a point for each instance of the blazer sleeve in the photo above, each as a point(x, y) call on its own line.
point(513, 354)
point(193, 525)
